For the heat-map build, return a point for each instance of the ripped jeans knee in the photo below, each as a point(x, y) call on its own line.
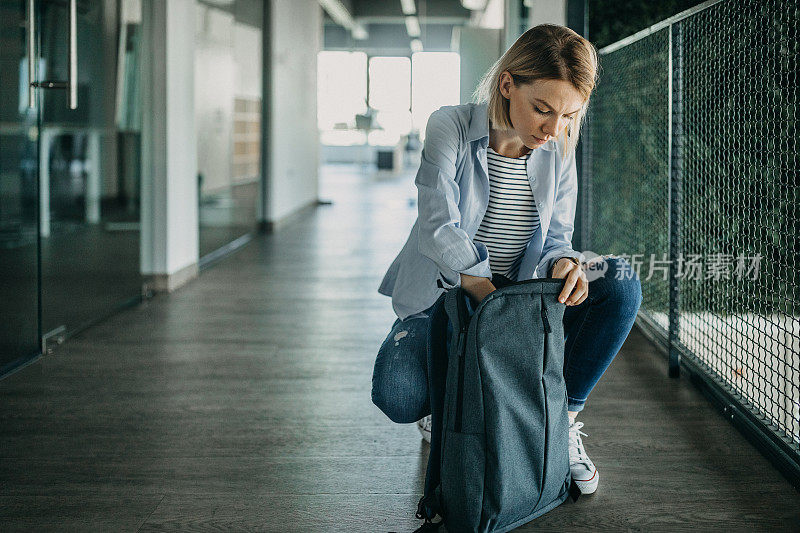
point(400, 376)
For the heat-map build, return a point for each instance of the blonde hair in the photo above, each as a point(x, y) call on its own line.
point(546, 51)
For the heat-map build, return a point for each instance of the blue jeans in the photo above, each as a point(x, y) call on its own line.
point(594, 332)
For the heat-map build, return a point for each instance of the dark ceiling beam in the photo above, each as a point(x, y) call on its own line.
point(422, 20)
point(388, 39)
point(391, 8)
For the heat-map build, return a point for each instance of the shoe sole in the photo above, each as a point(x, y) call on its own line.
point(590, 485)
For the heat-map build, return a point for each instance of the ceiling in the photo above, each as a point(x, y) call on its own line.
point(385, 25)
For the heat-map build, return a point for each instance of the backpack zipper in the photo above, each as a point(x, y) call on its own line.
point(545, 322)
point(462, 354)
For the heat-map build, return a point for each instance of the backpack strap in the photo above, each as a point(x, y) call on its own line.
point(574, 491)
point(456, 307)
point(424, 513)
point(428, 506)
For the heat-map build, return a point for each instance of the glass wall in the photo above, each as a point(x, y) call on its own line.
point(228, 70)
point(89, 163)
point(19, 263)
point(69, 169)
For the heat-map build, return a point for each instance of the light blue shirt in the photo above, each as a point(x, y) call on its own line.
point(453, 193)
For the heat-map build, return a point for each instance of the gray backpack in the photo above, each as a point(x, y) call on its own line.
point(499, 442)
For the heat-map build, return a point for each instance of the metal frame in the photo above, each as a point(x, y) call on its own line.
point(656, 27)
point(675, 155)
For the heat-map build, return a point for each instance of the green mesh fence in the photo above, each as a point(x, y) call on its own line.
point(629, 208)
point(693, 128)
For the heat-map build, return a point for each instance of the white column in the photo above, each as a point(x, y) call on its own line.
point(292, 140)
point(548, 11)
point(170, 250)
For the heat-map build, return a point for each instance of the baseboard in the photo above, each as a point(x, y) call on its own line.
point(271, 226)
point(172, 282)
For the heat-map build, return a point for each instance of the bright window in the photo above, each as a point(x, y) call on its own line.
point(436, 81)
point(402, 94)
point(390, 83)
point(341, 94)
point(390, 96)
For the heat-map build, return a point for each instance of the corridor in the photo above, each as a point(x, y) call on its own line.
point(242, 402)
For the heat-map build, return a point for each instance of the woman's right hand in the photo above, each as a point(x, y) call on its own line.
point(476, 286)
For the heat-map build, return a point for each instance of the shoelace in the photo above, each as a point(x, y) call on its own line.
point(577, 454)
point(425, 423)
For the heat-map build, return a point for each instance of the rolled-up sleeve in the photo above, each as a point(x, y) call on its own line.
point(558, 242)
point(440, 236)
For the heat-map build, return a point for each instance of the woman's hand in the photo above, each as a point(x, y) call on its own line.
point(476, 286)
point(575, 279)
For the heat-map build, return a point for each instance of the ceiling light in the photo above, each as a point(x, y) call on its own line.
point(416, 45)
point(412, 26)
point(337, 12)
point(359, 32)
point(408, 7)
point(341, 16)
point(474, 5)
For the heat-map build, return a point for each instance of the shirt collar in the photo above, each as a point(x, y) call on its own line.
point(479, 127)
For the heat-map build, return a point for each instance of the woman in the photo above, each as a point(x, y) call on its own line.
point(497, 196)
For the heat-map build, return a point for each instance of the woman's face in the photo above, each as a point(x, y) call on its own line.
point(541, 109)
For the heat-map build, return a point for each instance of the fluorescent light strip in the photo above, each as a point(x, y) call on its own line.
point(342, 17)
point(412, 26)
point(337, 12)
point(359, 32)
point(408, 6)
point(416, 45)
point(474, 5)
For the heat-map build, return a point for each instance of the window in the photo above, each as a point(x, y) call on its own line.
point(436, 81)
point(341, 95)
point(390, 96)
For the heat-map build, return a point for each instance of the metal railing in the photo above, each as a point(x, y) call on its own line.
point(690, 171)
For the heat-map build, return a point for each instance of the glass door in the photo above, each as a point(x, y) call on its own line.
point(19, 131)
point(228, 121)
point(88, 159)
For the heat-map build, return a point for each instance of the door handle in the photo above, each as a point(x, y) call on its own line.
point(31, 57)
point(71, 85)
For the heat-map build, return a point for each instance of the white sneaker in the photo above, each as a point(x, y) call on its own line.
point(424, 427)
point(582, 468)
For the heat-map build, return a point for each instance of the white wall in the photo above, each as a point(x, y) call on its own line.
point(548, 11)
point(169, 159)
point(293, 140)
point(479, 49)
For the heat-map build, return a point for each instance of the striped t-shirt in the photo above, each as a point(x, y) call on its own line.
point(511, 218)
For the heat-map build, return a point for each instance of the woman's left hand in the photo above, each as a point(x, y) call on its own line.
point(576, 287)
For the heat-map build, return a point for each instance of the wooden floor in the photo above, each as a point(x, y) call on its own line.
point(242, 402)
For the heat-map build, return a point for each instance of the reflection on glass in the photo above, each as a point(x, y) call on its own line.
point(228, 119)
point(89, 163)
point(19, 288)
